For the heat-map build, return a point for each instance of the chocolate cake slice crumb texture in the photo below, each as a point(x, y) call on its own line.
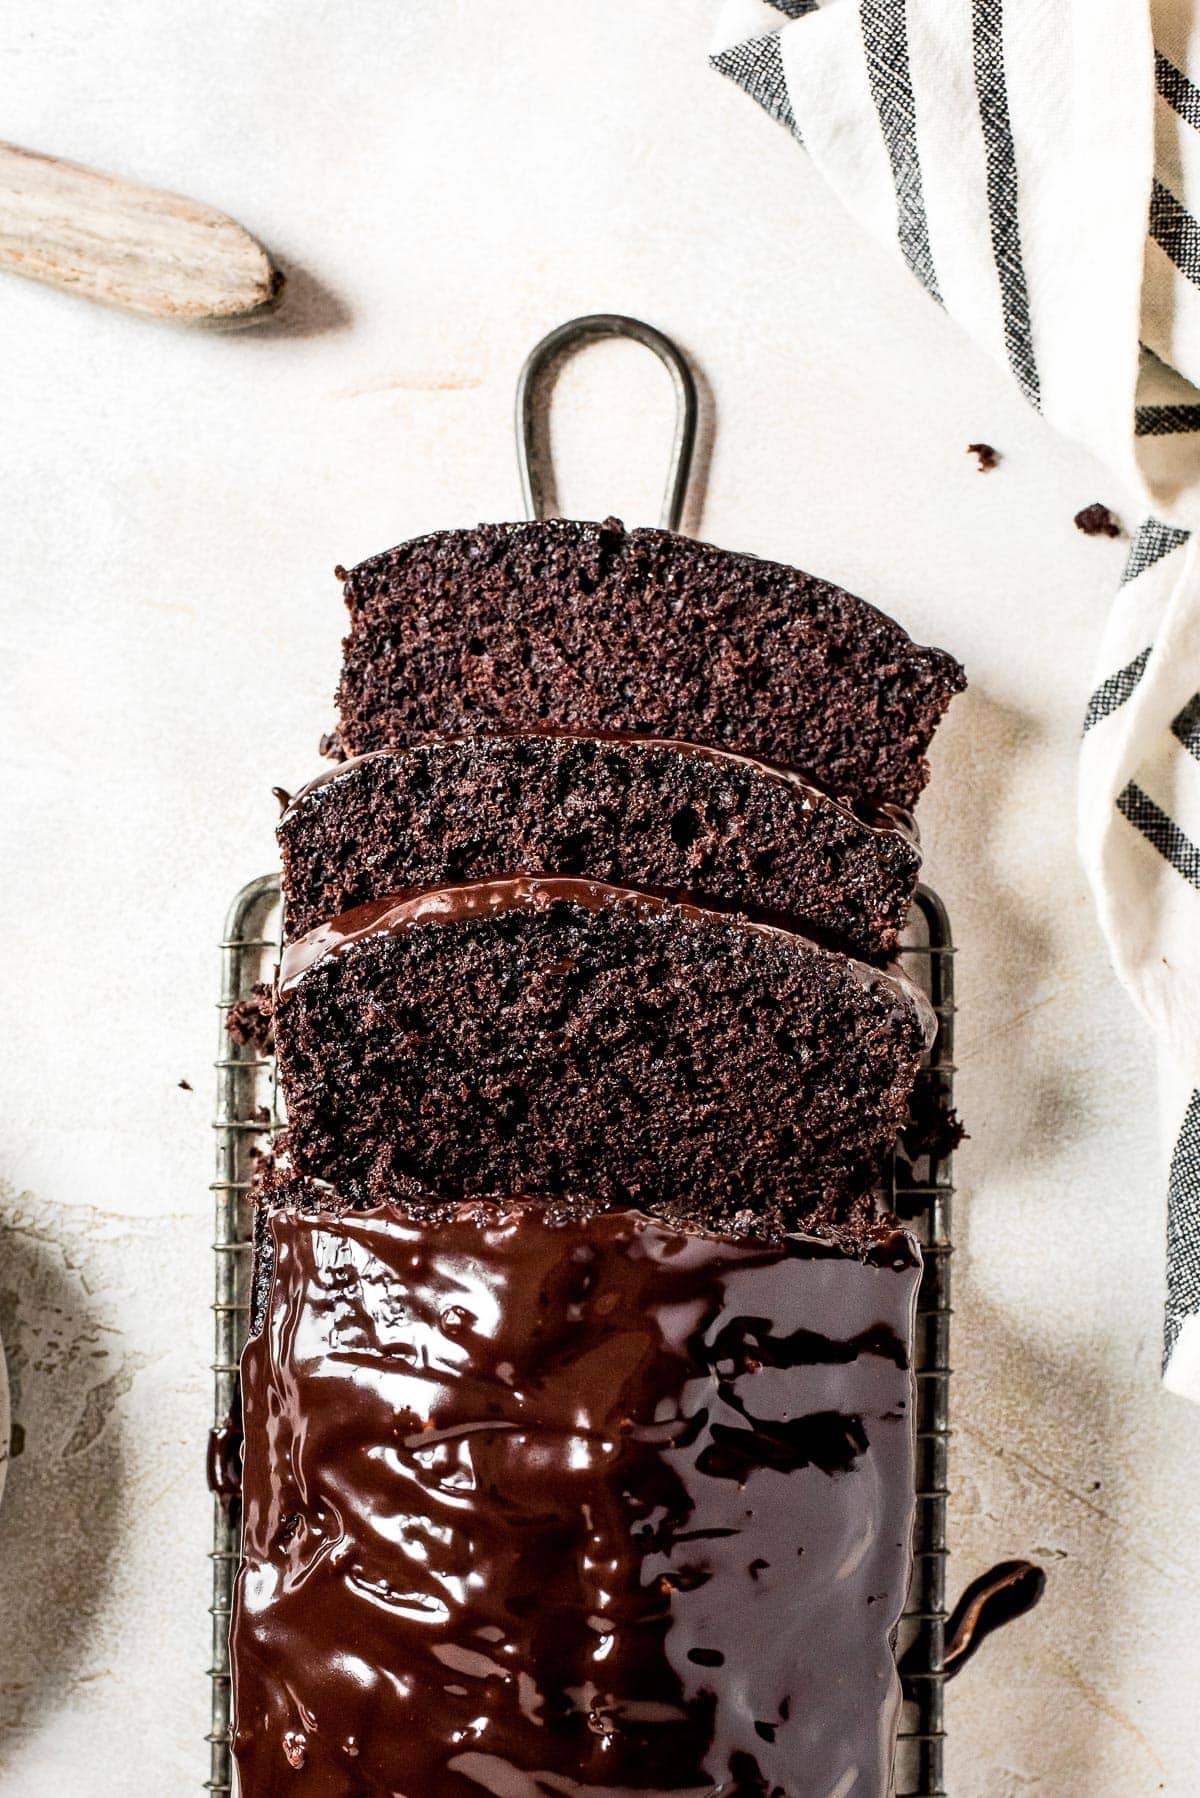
point(723, 829)
point(561, 1036)
point(589, 626)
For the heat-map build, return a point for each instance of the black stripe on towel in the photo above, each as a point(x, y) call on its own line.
point(1166, 421)
point(885, 43)
point(1177, 90)
point(1175, 231)
point(1183, 1228)
point(987, 29)
point(1186, 726)
point(1114, 691)
point(757, 67)
point(795, 9)
point(1160, 831)
point(1153, 541)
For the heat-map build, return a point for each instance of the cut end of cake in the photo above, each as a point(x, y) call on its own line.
point(726, 830)
point(592, 627)
point(558, 1036)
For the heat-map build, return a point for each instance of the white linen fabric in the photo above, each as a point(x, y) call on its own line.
point(1036, 164)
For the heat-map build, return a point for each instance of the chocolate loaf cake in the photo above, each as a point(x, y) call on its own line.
point(562, 1037)
point(722, 829)
point(536, 1506)
point(590, 626)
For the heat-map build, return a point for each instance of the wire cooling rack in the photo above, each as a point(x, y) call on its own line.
point(248, 1113)
point(923, 1196)
point(245, 1117)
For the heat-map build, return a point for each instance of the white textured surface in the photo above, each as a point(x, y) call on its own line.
point(451, 181)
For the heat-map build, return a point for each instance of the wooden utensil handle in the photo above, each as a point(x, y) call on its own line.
point(126, 245)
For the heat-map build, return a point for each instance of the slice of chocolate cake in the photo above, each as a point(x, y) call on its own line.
point(722, 829)
point(541, 1506)
point(590, 626)
point(562, 1037)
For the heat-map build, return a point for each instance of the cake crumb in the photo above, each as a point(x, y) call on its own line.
point(986, 457)
point(250, 1020)
point(1097, 521)
point(933, 1126)
point(576, 623)
point(185, 1086)
point(330, 747)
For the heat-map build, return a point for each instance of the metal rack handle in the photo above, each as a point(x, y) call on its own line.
point(571, 336)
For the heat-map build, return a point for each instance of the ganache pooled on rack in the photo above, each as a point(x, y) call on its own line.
point(577, 1505)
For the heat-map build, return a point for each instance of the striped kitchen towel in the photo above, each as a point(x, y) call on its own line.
point(1036, 163)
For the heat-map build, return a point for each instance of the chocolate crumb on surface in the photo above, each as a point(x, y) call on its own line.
point(251, 1020)
point(986, 457)
point(932, 1127)
point(185, 1086)
point(1097, 521)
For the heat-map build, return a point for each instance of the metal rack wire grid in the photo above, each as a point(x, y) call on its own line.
point(922, 1195)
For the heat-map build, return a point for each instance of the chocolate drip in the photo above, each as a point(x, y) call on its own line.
point(223, 1462)
point(550, 1507)
point(1005, 1591)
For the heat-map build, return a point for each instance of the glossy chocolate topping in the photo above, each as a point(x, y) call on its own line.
point(882, 816)
point(488, 898)
point(540, 1509)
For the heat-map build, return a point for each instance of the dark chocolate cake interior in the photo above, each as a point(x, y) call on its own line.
point(589, 626)
point(564, 1038)
point(722, 829)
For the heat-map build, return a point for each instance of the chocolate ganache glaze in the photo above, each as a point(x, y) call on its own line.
point(462, 901)
point(539, 1507)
